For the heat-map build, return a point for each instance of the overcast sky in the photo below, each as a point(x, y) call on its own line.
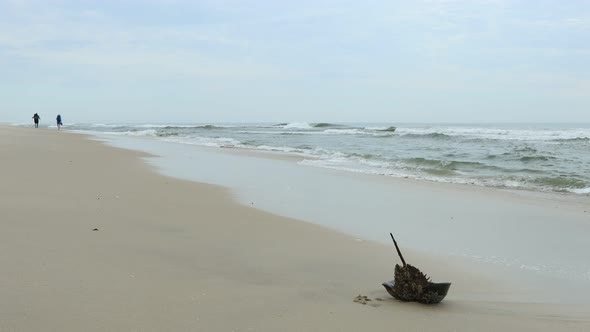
point(304, 60)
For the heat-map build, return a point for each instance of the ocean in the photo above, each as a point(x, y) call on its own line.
point(537, 157)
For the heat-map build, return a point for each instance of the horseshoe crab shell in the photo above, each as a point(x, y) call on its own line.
point(431, 294)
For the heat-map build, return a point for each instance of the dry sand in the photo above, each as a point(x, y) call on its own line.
point(172, 255)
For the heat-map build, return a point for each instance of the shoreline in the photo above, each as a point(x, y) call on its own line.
point(309, 159)
point(517, 227)
point(178, 255)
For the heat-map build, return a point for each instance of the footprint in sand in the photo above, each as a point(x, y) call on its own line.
point(362, 299)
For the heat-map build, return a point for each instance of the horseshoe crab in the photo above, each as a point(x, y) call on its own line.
point(410, 284)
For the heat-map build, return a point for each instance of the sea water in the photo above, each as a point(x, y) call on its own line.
point(538, 157)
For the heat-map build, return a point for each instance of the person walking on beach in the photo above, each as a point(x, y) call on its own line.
point(36, 118)
point(59, 124)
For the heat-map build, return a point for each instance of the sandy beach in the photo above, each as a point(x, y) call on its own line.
point(174, 255)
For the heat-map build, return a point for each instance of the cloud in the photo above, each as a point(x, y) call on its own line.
point(325, 52)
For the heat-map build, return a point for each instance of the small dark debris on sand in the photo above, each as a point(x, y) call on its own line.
point(96, 229)
point(362, 299)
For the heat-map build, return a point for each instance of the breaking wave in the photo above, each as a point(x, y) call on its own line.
point(429, 135)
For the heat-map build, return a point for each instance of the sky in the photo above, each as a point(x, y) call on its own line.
point(295, 61)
